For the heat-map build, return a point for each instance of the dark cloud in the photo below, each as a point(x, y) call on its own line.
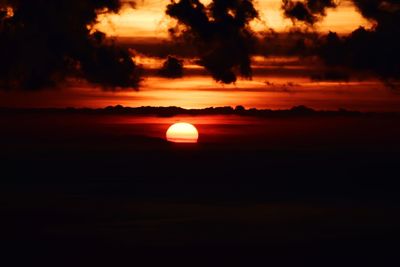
point(331, 75)
point(220, 34)
point(295, 42)
point(378, 49)
point(45, 41)
point(374, 50)
point(172, 68)
point(309, 11)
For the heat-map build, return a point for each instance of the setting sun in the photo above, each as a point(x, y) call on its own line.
point(182, 132)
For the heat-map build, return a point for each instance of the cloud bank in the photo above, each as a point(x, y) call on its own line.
point(373, 50)
point(220, 33)
point(45, 41)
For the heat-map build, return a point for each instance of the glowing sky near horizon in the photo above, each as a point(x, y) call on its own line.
point(148, 19)
point(202, 92)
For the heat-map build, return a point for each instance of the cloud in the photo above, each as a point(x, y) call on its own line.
point(220, 33)
point(45, 41)
point(172, 68)
point(374, 50)
point(309, 11)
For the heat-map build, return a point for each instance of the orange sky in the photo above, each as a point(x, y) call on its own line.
point(201, 92)
point(149, 20)
point(277, 82)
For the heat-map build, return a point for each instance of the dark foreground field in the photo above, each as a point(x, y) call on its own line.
point(82, 189)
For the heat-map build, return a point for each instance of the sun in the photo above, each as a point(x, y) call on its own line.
point(182, 132)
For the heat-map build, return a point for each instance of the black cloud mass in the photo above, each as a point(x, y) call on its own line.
point(45, 41)
point(309, 11)
point(374, 50)
point(172, 68)
point(220, 33)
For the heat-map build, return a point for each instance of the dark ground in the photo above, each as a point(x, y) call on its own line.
point(76, 191)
